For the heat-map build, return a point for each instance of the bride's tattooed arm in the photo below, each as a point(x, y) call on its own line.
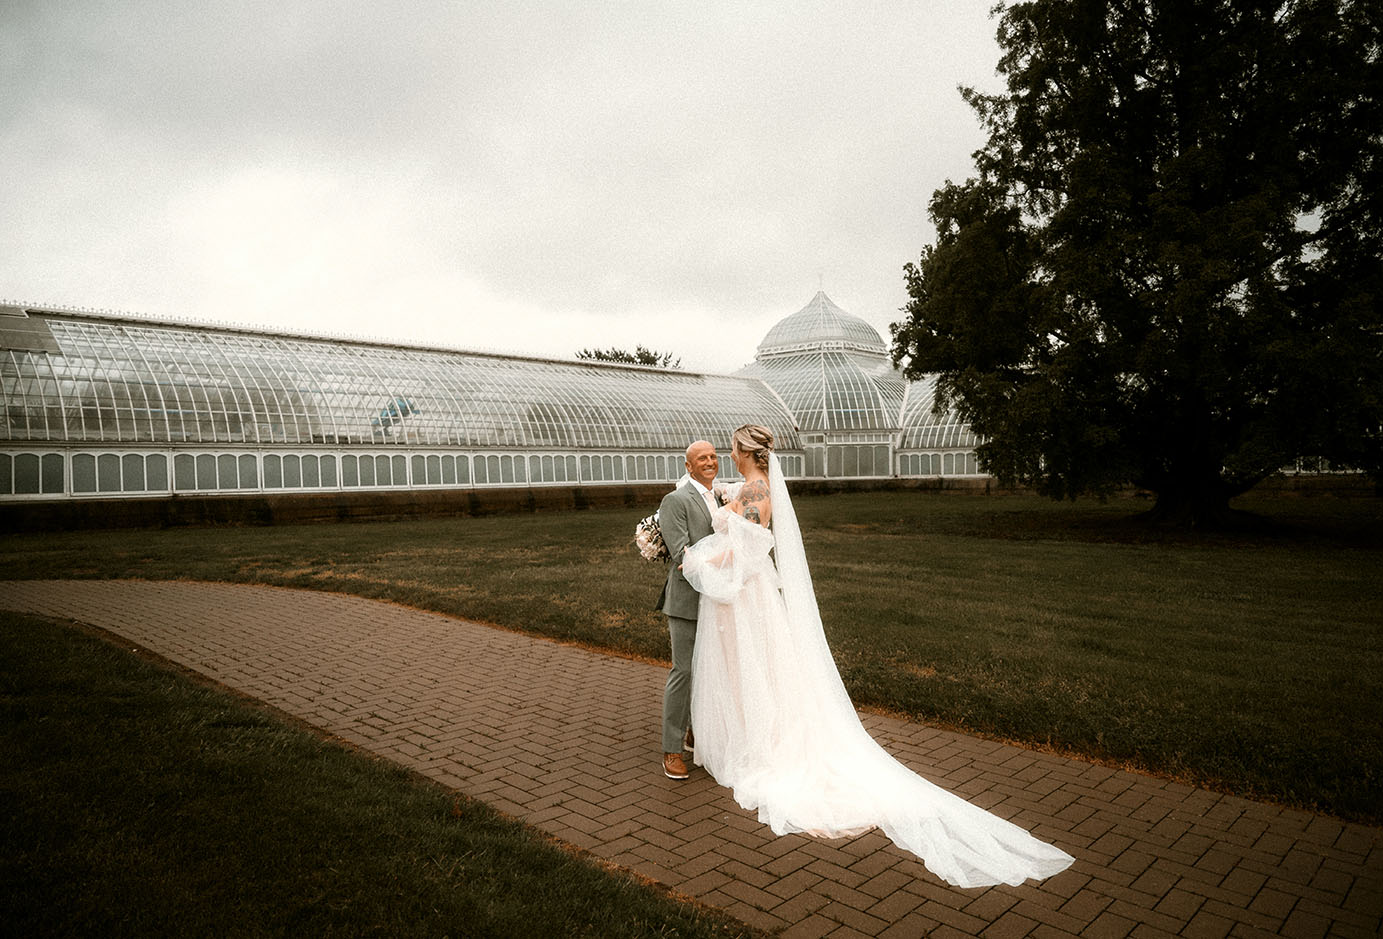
point(752, 495)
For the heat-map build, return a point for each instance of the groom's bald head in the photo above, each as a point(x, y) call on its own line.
point(702, 462)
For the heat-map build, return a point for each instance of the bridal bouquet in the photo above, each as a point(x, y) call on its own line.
point(648, 535)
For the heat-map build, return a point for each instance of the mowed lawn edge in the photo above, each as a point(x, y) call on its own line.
point(142, 801)
point(1249, 663)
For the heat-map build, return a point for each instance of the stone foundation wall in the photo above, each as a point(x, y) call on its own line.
point(376, 505)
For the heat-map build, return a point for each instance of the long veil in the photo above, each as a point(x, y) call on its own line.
point(799, 596)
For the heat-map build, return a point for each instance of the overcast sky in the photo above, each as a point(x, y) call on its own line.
point(535, 176)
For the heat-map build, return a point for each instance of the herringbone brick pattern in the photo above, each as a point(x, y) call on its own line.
point(567, 740)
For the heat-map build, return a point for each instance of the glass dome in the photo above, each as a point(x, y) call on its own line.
point(831, 369)
point(821, 325)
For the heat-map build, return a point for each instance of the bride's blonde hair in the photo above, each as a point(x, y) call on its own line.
point(755, 440)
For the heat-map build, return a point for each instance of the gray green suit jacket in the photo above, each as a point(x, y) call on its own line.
point(684, 520)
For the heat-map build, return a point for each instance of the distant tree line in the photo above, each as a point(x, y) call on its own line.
point(640, 356)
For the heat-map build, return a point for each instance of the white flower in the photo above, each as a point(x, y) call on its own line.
point(648, 535)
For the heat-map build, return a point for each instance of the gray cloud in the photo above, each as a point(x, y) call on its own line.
point(587, 173)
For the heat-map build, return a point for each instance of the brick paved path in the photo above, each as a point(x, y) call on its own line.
point(567, 740)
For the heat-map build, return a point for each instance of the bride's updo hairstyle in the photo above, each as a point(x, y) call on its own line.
point(755, 440)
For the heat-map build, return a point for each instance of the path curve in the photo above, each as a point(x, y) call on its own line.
point(567, 740)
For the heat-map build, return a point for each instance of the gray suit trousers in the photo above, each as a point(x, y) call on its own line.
point(677, 694)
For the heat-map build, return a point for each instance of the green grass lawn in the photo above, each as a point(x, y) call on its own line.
point(140, 803)
point(1249, 662)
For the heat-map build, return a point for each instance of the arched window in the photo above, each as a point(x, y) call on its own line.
point(273, 471)
point(156, 471)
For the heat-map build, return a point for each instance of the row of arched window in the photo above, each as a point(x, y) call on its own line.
point(95, 474)
point(949, 463)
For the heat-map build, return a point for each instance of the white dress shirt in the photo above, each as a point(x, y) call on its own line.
point(707, 495)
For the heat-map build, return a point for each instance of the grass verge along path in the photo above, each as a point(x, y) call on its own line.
point(141, 803)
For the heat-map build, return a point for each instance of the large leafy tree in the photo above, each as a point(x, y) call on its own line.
point(1168, 269)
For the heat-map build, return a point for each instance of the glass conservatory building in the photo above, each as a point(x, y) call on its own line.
point(103, 406)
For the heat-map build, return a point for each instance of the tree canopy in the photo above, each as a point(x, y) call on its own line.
point(640, 356)
point(1168, 268)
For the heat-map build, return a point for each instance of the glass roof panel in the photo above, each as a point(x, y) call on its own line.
point(923, 429)
point(139, 380)
point(136, 380)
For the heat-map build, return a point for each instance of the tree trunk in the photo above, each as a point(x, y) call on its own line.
point(1193, 496)
point(1196, 511)
point(1200, 505)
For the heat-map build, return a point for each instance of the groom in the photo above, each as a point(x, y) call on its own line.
point(685, 518)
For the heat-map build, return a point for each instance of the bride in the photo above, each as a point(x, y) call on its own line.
point(774, 722)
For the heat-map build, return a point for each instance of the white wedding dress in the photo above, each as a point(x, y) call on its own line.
point(774, 723)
